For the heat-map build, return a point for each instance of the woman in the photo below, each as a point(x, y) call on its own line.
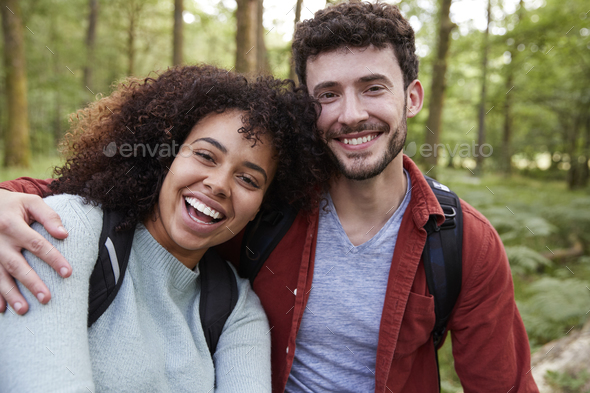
point(189, 157)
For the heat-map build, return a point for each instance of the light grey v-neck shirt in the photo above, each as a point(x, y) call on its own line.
point(337, 341)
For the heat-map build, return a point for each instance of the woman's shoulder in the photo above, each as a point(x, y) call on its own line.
point(62, 200)
point(75, 212)
point(248, 301)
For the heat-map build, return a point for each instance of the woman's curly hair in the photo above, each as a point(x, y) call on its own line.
point(356, 24)
point(159, 113)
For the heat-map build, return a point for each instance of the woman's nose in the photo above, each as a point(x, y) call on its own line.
point(219, 183)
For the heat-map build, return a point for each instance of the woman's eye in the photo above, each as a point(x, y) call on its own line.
point(205, 156)
point(251, 182)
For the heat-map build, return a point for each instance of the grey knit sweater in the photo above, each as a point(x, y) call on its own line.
point(149, 340)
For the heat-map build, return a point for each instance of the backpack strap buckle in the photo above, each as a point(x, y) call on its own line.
point(450, 216)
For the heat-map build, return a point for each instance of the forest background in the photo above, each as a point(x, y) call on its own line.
point(505, 123)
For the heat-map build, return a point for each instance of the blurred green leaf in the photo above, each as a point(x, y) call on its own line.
point(524, 260)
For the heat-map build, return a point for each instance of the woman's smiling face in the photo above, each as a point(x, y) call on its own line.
point(213, 188)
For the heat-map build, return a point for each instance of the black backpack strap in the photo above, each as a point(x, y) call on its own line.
point(262, 236)
point(219, 295)
point(442, 257)
point(110, 267)
point(219, 288)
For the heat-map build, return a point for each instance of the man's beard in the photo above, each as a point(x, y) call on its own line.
point(358, 171)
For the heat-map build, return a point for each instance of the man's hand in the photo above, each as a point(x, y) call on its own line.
point(17, 212)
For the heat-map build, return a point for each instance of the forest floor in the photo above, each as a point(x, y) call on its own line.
point(41, 168)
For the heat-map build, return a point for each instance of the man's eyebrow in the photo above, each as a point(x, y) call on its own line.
point(323, 85)
point(255, 167)
point(375, 77)
point(213, 142)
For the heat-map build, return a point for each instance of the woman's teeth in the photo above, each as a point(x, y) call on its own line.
point(203, 208)
point(358, 141)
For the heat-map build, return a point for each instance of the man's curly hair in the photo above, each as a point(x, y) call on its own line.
point(356, 24)
point(161, 111)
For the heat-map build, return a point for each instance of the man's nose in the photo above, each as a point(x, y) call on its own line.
point(352, 111)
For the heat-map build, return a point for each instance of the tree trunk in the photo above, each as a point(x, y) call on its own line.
point(57, 74)
point(481, 134)
point(506, 163)
point(585, 170)
point(579, 150)
point(571, 148)
point(437, 90)
point(262, 64)
point(57, 125)
point(507, 132)
point(292, 73)
point(90, 44)
point(17, 151)
point(178, 39)
point(246, 36)
point(134, 10)
point(131, 45)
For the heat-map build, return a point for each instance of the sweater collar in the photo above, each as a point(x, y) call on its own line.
point(152, 255)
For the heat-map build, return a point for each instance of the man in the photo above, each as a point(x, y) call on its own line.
point(345, 290)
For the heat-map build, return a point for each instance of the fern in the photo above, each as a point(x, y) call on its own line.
point(553, 307)
point(514, 227)
point(524, 260)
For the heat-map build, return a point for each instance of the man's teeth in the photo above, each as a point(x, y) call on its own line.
point(358, 141)
point(203, 208)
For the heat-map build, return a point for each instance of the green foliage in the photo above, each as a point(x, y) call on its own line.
point(41, 168)
point(515, 227)
point(567, 383)
point(450, 382)
point(56, 53)
point(555, 216)
point(575, 216)
point(524, 260)
point(549, 68)
point(553, 307)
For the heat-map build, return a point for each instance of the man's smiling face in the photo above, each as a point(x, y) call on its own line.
point(363, 118)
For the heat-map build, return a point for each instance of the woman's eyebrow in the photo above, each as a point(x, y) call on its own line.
point(257, 168)
point(214, 142)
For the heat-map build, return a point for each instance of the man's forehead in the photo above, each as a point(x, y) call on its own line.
point(356, 62)
point(350, 49)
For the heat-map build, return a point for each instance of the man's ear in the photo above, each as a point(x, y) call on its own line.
point(414, 97)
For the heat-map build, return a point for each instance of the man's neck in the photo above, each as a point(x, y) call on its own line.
point(364, 206)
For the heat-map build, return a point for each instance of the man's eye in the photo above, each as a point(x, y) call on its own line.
point(375, 88)
point(327, 95)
